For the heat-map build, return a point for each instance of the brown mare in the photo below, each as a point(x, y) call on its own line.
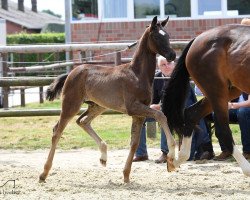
point(124, 88)
point(218, 61)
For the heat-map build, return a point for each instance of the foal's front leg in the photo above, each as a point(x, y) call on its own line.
point(135, 139)
point(145, 111)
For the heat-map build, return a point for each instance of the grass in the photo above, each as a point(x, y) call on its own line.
point(35, 133)
point(32, 133)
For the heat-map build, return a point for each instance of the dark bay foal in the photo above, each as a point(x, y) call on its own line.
point(124, 88)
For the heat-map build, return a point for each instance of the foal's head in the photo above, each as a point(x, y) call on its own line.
point(158, 40)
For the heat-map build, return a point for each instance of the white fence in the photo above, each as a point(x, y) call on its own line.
point(6, 83)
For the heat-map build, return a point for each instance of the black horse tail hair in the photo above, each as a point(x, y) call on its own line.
point(176, 92)
point(55, 88)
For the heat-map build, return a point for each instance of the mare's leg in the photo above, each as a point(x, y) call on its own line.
point(220, 105)
point(84, 121)
point(224, 134)
point(139, 109)
point(135, 139)
point(70, 107)
point(201, 109)
point(184, 152)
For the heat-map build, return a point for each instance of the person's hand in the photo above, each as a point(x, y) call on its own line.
point(231, 105)
point(155, 106)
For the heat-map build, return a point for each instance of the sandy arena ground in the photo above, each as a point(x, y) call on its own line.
point(77, 174)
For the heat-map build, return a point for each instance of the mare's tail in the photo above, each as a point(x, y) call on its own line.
point(55, 88)
point(175, 94)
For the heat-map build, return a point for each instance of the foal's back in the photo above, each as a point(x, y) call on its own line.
point(106, 86)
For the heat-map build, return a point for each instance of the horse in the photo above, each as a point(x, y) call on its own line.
point(125, 88)
point(218, 61)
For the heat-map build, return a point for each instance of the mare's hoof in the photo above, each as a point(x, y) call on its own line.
point(103, 162)
point(170, 164)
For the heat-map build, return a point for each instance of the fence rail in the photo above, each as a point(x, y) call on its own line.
point(42, 112)
point(26, 81)
point(75, 47)
point(7, 82)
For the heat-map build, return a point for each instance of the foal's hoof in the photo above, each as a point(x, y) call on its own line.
point(42, 178)
point(103, 162)
point(170, 164)
point(126, 180)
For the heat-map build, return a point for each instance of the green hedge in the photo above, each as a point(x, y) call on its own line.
point(29, 39)
point(41, 38)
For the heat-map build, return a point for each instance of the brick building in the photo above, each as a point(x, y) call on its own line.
point(125, 20)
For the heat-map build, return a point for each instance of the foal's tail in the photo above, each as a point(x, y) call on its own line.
point(176, 93)
point(55, 88)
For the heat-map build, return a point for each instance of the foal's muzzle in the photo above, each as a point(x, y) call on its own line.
point(170, 56)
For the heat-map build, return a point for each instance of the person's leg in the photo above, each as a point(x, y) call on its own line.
point(142, 148)
point(164, 145)
point(164, 149)
point(193, 146)
point(141, 153)
point(204, 143)
point(244, 123)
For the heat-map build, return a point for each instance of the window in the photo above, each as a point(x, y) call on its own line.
point(238, 7)
point(146, 8)
point(208, 8)
point(115, 8)
point(177, 8)
point(84, 9)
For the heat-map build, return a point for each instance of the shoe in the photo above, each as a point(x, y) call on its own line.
point(162, 159)
point(140, 158)
point(207, 155)
point(224, 155)
point(246, 155)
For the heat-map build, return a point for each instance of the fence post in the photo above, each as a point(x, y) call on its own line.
point(5, 89)
point(22, 94)
point(40, 59)
point(118, 59)
point(151, 129)
point(41, 94)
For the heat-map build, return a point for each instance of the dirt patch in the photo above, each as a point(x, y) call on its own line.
point(77, 174)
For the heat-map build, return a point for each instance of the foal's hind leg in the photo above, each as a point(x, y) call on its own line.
point(135, 139)
point(84, 121)
point(70, 107)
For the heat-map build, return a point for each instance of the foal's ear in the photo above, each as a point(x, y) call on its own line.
point(165, 22)
point(154, 22)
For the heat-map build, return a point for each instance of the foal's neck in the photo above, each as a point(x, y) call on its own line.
point(144, 61)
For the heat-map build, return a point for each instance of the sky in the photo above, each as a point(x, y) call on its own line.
point(57, 6)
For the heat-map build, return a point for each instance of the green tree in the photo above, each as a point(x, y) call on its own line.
point(51, 13)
